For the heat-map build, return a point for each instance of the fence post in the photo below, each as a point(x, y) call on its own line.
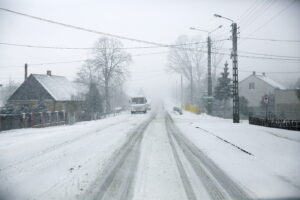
point(57, 117)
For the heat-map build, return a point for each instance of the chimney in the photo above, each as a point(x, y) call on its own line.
point(49, 72)
point(264, 74)
point(253, 73)
point(25, 72)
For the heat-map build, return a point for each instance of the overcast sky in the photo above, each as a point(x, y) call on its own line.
point(156, 20)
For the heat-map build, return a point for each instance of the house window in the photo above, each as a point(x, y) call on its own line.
point(251, 85)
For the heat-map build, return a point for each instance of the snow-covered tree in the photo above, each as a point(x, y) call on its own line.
point(223, 88)
point(93, 100)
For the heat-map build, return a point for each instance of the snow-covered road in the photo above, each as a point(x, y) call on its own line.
point(60, 162)
point(159, 155)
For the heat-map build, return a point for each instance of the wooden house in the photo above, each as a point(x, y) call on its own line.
point(57, 92)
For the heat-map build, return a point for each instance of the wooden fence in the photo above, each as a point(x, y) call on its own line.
point(45, 119)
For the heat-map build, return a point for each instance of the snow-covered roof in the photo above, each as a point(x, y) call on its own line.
point(59, 87)
point(271, 82)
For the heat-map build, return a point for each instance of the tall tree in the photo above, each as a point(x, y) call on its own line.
point(93, 100)
point(223, 88)
point(186, 59)
point(107, 68)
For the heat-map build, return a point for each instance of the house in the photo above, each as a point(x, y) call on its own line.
point(255, 86)
point(57, 92)
point(287, 103)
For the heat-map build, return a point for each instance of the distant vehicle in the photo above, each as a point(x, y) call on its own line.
point(138, 104)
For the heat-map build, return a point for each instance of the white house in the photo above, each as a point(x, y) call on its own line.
point(287, 103)
point(255, 86)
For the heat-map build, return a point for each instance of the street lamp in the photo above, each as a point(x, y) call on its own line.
point(236, 112)
point(208, 32)
point(219, 16)
point(209, 79)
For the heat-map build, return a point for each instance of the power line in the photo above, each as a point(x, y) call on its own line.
point(252, 10)
point(90, 30)
point(94, 48)
point(264, 54)
point(259, 12)
point(273, 17)
point(247, 11)
point(78, 61)
point(267, 72)
point(268, 39)
point(81, 28)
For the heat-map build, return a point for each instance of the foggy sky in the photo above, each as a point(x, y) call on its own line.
point(156, 20)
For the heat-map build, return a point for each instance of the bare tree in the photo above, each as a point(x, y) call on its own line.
point(108, 67)
point(217, 58)
point(187, 60)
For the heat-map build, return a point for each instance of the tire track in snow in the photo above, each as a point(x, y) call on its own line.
point(117, 179)
point(185, 180)
point(218, 184)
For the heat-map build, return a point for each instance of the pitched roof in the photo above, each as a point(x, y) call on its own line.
point(59, 87)
point(271, 82)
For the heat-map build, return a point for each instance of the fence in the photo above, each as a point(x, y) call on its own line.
point(276, 123)
point(45, 119)
point(35, 120)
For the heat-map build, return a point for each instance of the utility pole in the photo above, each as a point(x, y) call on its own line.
point(236, 111)
point(235, 87)
point(209, 80)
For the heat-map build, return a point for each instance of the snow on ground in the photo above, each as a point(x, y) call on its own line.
point(63, 162)
point(157, 176)
point(272, 169)
point(59, 162)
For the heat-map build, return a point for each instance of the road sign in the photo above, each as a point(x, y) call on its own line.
point(208, 98)
point(266, 99)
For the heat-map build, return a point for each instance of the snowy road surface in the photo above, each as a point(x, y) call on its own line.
point(159, 155)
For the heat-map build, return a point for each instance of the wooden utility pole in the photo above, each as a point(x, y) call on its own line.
point(209, 80)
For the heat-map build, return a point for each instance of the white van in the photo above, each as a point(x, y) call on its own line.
point(138, 104)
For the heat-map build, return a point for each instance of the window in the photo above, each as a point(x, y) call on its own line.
point(251, 85)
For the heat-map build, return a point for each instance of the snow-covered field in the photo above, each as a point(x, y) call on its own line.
point(141, 157)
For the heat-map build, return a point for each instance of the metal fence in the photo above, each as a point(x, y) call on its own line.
point(276, 123)
point(45, 119)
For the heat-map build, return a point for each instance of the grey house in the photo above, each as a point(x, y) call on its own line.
point(255, 86)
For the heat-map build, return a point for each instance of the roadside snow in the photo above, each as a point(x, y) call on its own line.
point(272, 171)
point(59, 162)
